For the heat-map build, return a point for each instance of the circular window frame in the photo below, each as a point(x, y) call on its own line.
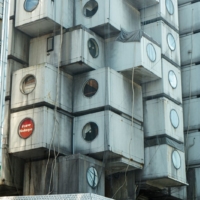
point(97, 176)
point(176, 79)
point(168, 42)
point(96, 135)
point(173, 160)
point(168, 8)
point(27, 118)
point(33, 8)
point(96, 45)
point(150, 44)
point(22, 81)
point(171, 119)
point(86, 84)
point(84, 8)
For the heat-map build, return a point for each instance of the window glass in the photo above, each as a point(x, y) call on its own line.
point(93, 48)
point(170, 6)
point(50, 44)
point(90, 8)
point(28, 84)
point(92, 177)
point(151, 52)
point(171, 41)
point(172, 79)
point(174, 118)
point(176, 159)
point(90, 88)
point(30, 5)
point(90, 131)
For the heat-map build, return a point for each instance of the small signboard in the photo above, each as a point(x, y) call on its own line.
point(26, 128)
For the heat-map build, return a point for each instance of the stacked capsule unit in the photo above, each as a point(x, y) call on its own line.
point(163, 115)
point(190, 58)
point(94, 98)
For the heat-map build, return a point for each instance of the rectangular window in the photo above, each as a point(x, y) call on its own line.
point(50, 44)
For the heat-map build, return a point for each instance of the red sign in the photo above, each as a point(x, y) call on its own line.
point(26, 128)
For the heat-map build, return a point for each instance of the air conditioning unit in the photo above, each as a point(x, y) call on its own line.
point(106, 18)
point(162, 116)
point(12, 66)
point(190, 49)
point(167, 38)
point(193, 190)
point(192, 147)
point(40, 17)
point(72, 174)
point(164, 167)
point(105, 87)
point(142, 55)
point(191, 23)
point(11, 168)
point(169, 85)
point(38, 85)
point(18, 44)
point(106, 134)
point(191, 114)
point(81, 51)
point(37, 132)
point(166, 10)
point(190, 80)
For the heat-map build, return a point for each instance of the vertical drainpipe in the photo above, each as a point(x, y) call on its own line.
point(72, 131)
point(3, 69)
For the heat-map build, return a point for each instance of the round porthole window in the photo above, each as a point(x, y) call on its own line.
point(90, 88)
point(90, 131)
point(171, 41)
point(93, 48)
point(92, 177)
point(26, 128)
point(174, 118)
point(28, 84)
point(30, 5)
point(172, 79)
point(176, 159)
point(90, 8)
point(151, 52)
point(170, 6)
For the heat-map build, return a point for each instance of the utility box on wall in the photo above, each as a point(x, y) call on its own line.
point(38, 85)
point(72, 174)
point(39, 17)
point(34, 133)
point(106, 87)
point(142, 55)
point(106, 18)
point(107, 133)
